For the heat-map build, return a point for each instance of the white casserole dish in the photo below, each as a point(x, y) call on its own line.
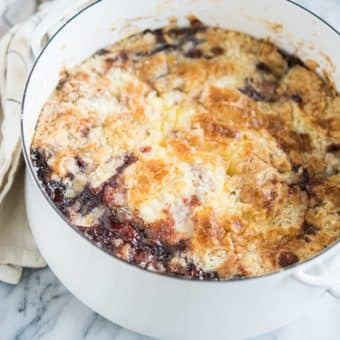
point(149, 303)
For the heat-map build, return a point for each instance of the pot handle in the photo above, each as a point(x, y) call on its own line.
point(54, 15)
point(329, 278)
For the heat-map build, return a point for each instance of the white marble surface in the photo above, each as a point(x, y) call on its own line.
point(40, 307)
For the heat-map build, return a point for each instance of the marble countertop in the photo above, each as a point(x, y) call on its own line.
point(40, 307)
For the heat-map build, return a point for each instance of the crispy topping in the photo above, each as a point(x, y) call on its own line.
point(195, 151)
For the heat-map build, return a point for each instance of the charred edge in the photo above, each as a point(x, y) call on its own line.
point(260, 89)
point(217, 50)
point(304, 180)
point(189, 47)
point(296, 167)
point(160, 48)
point(295, 141)
point(102, 51)
point(158, 33)
point(297, 99)
point(122, 57)
point(287, 258)
point(263, 67)
point(333, 148)
point(291, 59)
point(184, 35)
point(164, 48)
point(303, 237)
point(304, 142)
point(62, 81)
point(186, 31)
point(195, 22)
point(194, 53)
point(309, 229)
point(252, 93)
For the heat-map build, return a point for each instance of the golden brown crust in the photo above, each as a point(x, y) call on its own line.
point(221, 146)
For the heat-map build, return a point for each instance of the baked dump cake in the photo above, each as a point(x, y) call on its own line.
point(195, 151)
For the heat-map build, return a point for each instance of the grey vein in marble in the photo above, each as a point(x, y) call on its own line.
point(41, 308)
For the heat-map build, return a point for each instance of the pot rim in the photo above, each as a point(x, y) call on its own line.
point(38, 183)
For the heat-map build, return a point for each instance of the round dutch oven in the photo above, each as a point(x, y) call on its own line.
point(147, 302)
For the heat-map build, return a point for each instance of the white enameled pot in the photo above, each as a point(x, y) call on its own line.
point(146, 302)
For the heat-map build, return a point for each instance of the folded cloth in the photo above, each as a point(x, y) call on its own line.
point(17, 247)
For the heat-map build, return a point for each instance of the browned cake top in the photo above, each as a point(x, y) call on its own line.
point(196, 151)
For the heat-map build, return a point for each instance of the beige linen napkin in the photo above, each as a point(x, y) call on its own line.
point(17, 247)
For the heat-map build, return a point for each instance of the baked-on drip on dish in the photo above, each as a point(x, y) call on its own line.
point(195, 151)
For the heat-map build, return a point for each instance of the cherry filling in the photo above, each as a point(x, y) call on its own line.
point(264, 86)
point(87, 201)
point(54, 189)
point(118, 230)
point(183, 40)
